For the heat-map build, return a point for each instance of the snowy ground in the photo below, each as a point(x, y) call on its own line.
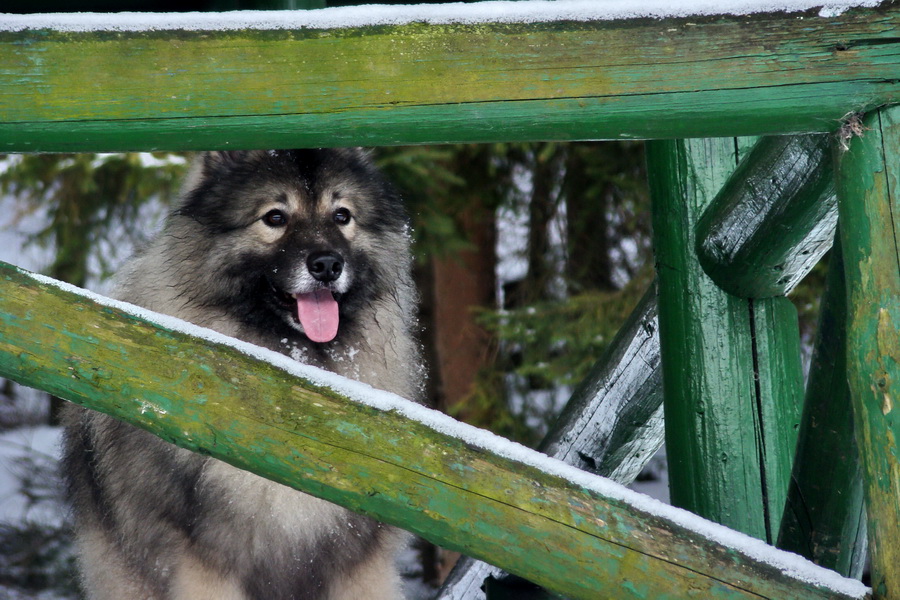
point(20, 450)
point(32, 516)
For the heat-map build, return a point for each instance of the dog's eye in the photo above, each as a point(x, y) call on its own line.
point(275, 218)
point(341, 216)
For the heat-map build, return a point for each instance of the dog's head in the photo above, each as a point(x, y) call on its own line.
point(302, 235)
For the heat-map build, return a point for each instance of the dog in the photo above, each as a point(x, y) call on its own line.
point(305, 252)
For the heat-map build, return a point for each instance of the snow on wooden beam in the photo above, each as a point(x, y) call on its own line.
point(575, 534)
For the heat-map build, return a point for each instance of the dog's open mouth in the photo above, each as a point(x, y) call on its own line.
point(316, 311)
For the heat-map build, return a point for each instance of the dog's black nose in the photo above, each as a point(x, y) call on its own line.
point(325, 266)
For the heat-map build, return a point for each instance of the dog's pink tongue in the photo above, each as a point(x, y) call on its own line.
point(318, 312)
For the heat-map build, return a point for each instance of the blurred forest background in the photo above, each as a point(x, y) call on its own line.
point(528, 259)
point(528, 256)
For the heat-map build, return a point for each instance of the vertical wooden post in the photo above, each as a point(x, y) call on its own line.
point(868, 186)
point(824, 519)
point(731, 366)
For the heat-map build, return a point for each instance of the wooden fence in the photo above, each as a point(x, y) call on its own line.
point(734, 214)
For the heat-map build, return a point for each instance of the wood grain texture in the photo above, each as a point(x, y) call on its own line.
point(824, 518)
point(213, 399)
point(731, 366)
point(869, 207)
point(612, 425)
point(773, 219)
point(418, 83)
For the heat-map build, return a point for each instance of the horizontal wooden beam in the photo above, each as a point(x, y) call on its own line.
point(113, 90)
point(575, 534)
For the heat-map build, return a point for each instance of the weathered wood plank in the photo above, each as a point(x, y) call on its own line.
point(824, 518)
point(609, 417)
point(420, 83)
point(612, 425)
point(775, 339)
point(773, 219)
point(731, 366)
point(868, 186)
point(583, 540)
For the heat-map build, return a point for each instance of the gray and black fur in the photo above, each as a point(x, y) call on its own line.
point(253, 231)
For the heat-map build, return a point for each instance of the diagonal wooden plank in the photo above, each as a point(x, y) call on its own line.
point(824, 518)
point(773, 219)
point(575, 534)
point(612, 425)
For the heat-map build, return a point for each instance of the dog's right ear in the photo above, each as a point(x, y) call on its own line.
point(210, 166)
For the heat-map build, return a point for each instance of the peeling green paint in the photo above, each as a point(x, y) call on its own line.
point(731, 366)
point(573, 541)
point(420, 83)
point(867, 185)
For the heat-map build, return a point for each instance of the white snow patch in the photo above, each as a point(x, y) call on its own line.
point(15, 447)
point(530, 11)
point(790, 564)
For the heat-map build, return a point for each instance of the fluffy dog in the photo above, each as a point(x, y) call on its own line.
point(305, 252)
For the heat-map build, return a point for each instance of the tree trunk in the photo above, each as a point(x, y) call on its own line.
point(461, 284)
point(545, 177)
point(588, 264)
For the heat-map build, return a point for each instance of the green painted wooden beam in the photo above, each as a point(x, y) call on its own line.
point(824, 518)
point(111, 90)
point(868, 186)
point(731, 367)
point(773, 219)
point(573, 538)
